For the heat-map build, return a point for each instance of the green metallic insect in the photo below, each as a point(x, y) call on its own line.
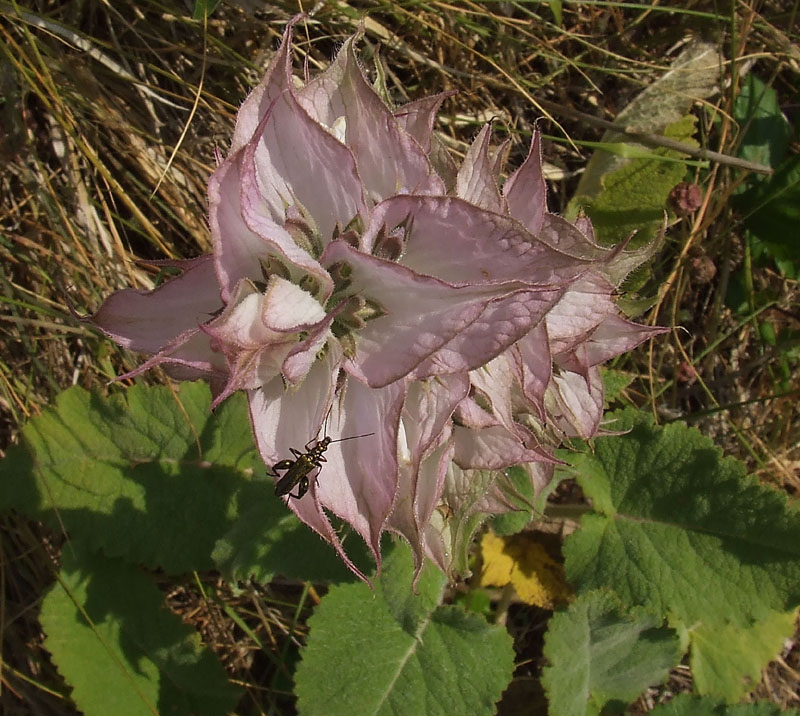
point(298, 470)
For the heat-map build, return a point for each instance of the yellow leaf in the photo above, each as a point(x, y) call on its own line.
point(497, 565)
point(523, 562)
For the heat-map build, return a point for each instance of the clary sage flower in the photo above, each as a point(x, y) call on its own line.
point(363, 282)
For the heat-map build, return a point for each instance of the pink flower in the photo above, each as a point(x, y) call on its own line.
point(358, 274)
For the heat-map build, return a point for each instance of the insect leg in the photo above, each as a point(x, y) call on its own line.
point(280, 465)
point(302, 488)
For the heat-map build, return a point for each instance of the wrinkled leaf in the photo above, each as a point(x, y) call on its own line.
point(150, 476)
point(688, 535)
point(399, 653)
point(633, 197)
point(615, 383)
point(727, 661)
point(599, 657)
point(692, 76)
point(121, 650)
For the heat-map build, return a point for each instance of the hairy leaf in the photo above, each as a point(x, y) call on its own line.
point(619, 192)
point(267, 540)
point(150, 476)
point(121, 650)
point(634, 196)
point(396, 652)
point(727, 661)
point(688, 535)
point(599, 656)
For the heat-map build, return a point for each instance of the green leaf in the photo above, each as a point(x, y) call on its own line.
point(121, 650)
point(634, 196)
point(556, 9)
point(599, 656)
point(204, 8)
point(268, 539)
point(760, 708)
point(622, 195)
point(150, 475)
point(632, 305)
point(687, 534)
point(477, 601)
point(615, 382)
point(766, 131)
point(772, 211)
point(510, 523)
point(685, 705)
point(727, 661)
point(520, 493)
point(396, 652)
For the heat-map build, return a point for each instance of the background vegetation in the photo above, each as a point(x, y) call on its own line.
point(112, 115)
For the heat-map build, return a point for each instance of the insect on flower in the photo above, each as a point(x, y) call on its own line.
point(298, 470)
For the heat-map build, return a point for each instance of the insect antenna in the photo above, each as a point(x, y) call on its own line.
point(352, 437)
point(324, 427)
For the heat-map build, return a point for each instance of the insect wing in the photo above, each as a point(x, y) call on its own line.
point(296, 473)
point(302, 488)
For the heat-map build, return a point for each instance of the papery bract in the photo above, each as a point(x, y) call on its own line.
point(363, 282)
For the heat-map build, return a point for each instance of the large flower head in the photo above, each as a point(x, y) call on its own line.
point(363, 283)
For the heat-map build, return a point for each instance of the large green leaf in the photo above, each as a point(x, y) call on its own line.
point(598, 655)
point(267, 539)
point(159, 479)
point(121, 650)
point(150, 475)
point(693, 76)
point(686, 534)
point(395, 652)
